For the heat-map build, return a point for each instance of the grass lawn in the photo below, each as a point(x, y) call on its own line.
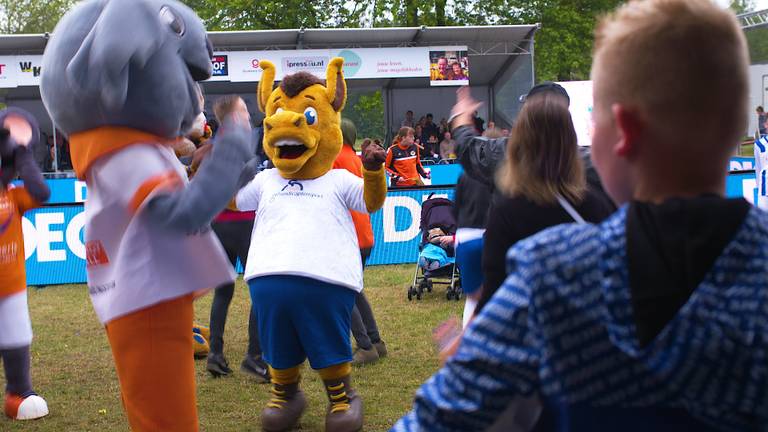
point(72, 365)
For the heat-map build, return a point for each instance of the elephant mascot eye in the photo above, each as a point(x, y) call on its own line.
point(172, 20)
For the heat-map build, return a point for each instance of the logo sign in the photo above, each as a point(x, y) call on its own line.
point(255, 64)
point(220, 65)
point(352, 62)
point(28, 67)
point(308, 64)
point(2, 69)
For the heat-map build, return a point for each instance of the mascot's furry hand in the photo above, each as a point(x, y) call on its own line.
point(373, 156)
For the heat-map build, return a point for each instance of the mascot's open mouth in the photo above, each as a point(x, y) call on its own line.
point(290, 149)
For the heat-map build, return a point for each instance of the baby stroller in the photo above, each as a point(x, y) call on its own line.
point(436, 217)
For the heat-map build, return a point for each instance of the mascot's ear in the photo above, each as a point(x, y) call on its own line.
point(336, 87)
point(266, 84)
point(126, 34)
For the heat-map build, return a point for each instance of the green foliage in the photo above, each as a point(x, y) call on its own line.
point(742, 6)
point(31, 16)
point(366, 110)
point(757, 40)
point(272, 14)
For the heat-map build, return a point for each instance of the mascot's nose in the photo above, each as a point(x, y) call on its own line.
point(284, 118)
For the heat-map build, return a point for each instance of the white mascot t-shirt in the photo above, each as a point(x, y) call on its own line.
point(303, 227)
point(132, 262)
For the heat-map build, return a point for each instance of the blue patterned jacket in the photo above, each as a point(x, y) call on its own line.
point(560, 330)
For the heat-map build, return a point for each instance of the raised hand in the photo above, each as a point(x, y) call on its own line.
point(373, 156)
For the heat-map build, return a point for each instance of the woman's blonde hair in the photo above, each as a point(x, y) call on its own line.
point(542, 154)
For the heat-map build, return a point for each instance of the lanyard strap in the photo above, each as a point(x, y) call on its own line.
point(570, 210)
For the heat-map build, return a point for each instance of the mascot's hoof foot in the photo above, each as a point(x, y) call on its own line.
point(217, 365)
point(201, 345)
point(28, 408)
point(285, 408)
point(255, 367)
point(345, 412)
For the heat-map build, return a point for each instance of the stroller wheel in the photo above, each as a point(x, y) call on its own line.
point(410, 295)
point(429, 285)
point(448, 295)
point(418, 295)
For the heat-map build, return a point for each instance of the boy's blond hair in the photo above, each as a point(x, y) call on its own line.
point(682, 63)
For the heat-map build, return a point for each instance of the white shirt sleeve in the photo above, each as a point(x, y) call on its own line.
point(248, 197)
point(350, 188)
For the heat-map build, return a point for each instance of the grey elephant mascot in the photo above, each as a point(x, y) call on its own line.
point(19, 133)
point(119, 78)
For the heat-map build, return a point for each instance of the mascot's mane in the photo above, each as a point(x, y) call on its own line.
point(292, 85)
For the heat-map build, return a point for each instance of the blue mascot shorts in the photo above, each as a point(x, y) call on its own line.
point(302, 318)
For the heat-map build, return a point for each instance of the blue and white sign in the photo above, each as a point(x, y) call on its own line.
point(54, 246)
point(55, 251)
point(396, 225)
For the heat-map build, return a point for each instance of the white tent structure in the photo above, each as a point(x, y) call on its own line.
point(500, 59)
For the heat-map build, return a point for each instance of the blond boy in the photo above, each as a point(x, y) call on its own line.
point(655, 319)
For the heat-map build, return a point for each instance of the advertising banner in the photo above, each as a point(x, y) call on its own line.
point(359, 63)
point(244, 66)
point(55, 251)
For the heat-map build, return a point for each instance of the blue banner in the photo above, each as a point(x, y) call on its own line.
point(55, 251)
point(54, 245)
point(444, 175)
point(396, 225)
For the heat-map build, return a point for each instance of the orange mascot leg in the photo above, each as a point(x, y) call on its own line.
point(153, 350)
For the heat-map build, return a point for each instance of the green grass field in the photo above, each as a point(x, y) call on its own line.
point(73, 370)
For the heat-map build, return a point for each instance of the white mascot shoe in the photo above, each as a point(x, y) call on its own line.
point(30, 408)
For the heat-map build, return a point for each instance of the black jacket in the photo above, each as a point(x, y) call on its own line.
point(513, 219)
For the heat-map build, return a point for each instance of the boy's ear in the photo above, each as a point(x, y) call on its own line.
point(630, 127)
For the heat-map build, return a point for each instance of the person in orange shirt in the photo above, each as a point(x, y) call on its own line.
point(370, 346)
point(403, 160)
point(19, 133)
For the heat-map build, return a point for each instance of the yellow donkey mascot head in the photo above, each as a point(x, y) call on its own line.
point(302, 134)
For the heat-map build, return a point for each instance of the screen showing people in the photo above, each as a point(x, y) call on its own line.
point(448, 68)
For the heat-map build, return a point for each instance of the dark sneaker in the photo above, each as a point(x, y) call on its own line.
point(381, 348)
point(362, 356)
point(256, 367)
point(217, 365)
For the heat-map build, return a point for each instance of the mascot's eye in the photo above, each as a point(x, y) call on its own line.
point(173, 21)
point(278, 111)
point(311, 115)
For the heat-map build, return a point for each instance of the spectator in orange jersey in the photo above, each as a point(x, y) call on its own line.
point(403, 160)
point(370, 347)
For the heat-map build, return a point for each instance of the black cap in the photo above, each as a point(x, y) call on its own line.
point(547, 86)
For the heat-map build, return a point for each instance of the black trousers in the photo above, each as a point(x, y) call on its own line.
point(364, 328)
point(236, 239)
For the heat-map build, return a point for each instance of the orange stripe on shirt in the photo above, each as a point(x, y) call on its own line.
point(168, 181)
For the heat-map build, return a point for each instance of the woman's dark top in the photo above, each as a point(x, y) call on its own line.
point(513, 219)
